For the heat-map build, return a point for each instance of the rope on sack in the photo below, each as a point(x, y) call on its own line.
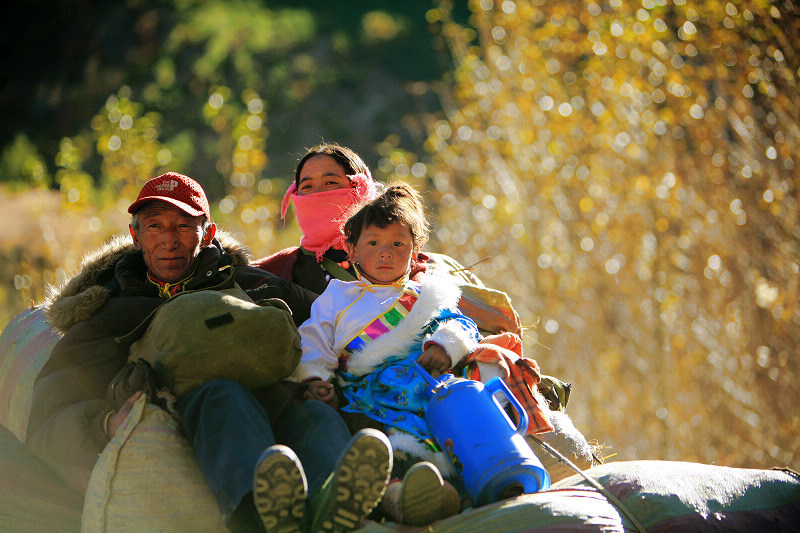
point(593, 482)
point(789, 471)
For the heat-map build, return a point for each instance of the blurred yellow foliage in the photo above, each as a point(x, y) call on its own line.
point(643, 145)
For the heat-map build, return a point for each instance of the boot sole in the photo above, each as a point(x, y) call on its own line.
point(361, 479)
point(279, 491)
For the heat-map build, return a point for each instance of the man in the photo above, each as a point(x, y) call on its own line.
point(175, 248)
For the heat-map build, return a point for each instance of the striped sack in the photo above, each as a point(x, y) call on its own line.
point(25, 347)
point(490, 309)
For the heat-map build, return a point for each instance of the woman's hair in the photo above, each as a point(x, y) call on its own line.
point(399, 203)
point(347, 158)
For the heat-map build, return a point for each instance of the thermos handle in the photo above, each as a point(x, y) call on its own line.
point(498, 385)
point(430, 380)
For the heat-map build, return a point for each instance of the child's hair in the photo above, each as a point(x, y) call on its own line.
point(400, 202)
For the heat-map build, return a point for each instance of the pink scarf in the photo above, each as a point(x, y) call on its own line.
point(322, 215)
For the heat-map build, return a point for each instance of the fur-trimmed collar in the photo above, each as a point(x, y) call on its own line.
point(80, 296)
point(436, 292)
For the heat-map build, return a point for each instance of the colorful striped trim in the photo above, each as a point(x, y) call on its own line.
point(386, 321)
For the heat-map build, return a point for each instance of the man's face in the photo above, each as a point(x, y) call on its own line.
point(170, 240)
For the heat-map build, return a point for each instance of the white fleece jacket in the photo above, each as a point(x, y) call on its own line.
point(346, 308)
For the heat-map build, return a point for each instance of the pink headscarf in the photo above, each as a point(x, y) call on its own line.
point(322, 215)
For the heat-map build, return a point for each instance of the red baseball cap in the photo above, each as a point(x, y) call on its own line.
point(176, 189)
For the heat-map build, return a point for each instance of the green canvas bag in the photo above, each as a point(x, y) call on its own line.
point(203, 335)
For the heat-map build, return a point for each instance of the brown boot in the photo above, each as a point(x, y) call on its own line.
point(451, 502)
point(417, 500)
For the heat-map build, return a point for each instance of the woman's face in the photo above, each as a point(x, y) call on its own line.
point(321, 173)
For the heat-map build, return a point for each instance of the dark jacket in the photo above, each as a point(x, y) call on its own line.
point(107, 299)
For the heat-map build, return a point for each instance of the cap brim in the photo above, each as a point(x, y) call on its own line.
point(186, 208)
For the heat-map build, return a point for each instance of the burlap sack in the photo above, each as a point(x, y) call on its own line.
point(33, 495)
point(574, 511)
point(148, 479)
point(684, 496)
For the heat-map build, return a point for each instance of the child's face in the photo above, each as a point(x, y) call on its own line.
point(383, 255)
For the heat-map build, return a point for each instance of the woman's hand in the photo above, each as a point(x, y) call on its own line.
point(322, 391)
point(434, 359)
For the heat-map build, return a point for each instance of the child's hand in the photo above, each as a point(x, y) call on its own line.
point(322, 391)
point(435, 360)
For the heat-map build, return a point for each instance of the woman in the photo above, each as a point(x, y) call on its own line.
point(329, 182)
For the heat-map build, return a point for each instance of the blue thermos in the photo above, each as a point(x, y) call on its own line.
point(482, 442)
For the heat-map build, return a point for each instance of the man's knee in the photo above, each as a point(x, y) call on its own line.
point(313, 417)
point(215, 393)
point(219, 387)
point(316, 408)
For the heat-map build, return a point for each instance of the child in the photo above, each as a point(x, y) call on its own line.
point(368, 334)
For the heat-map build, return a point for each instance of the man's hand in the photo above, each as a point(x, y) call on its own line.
point(134, 376)
point(322, 391)
point(117, 418)
point(435, 360)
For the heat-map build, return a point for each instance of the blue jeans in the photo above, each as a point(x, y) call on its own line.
point(229, 431)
